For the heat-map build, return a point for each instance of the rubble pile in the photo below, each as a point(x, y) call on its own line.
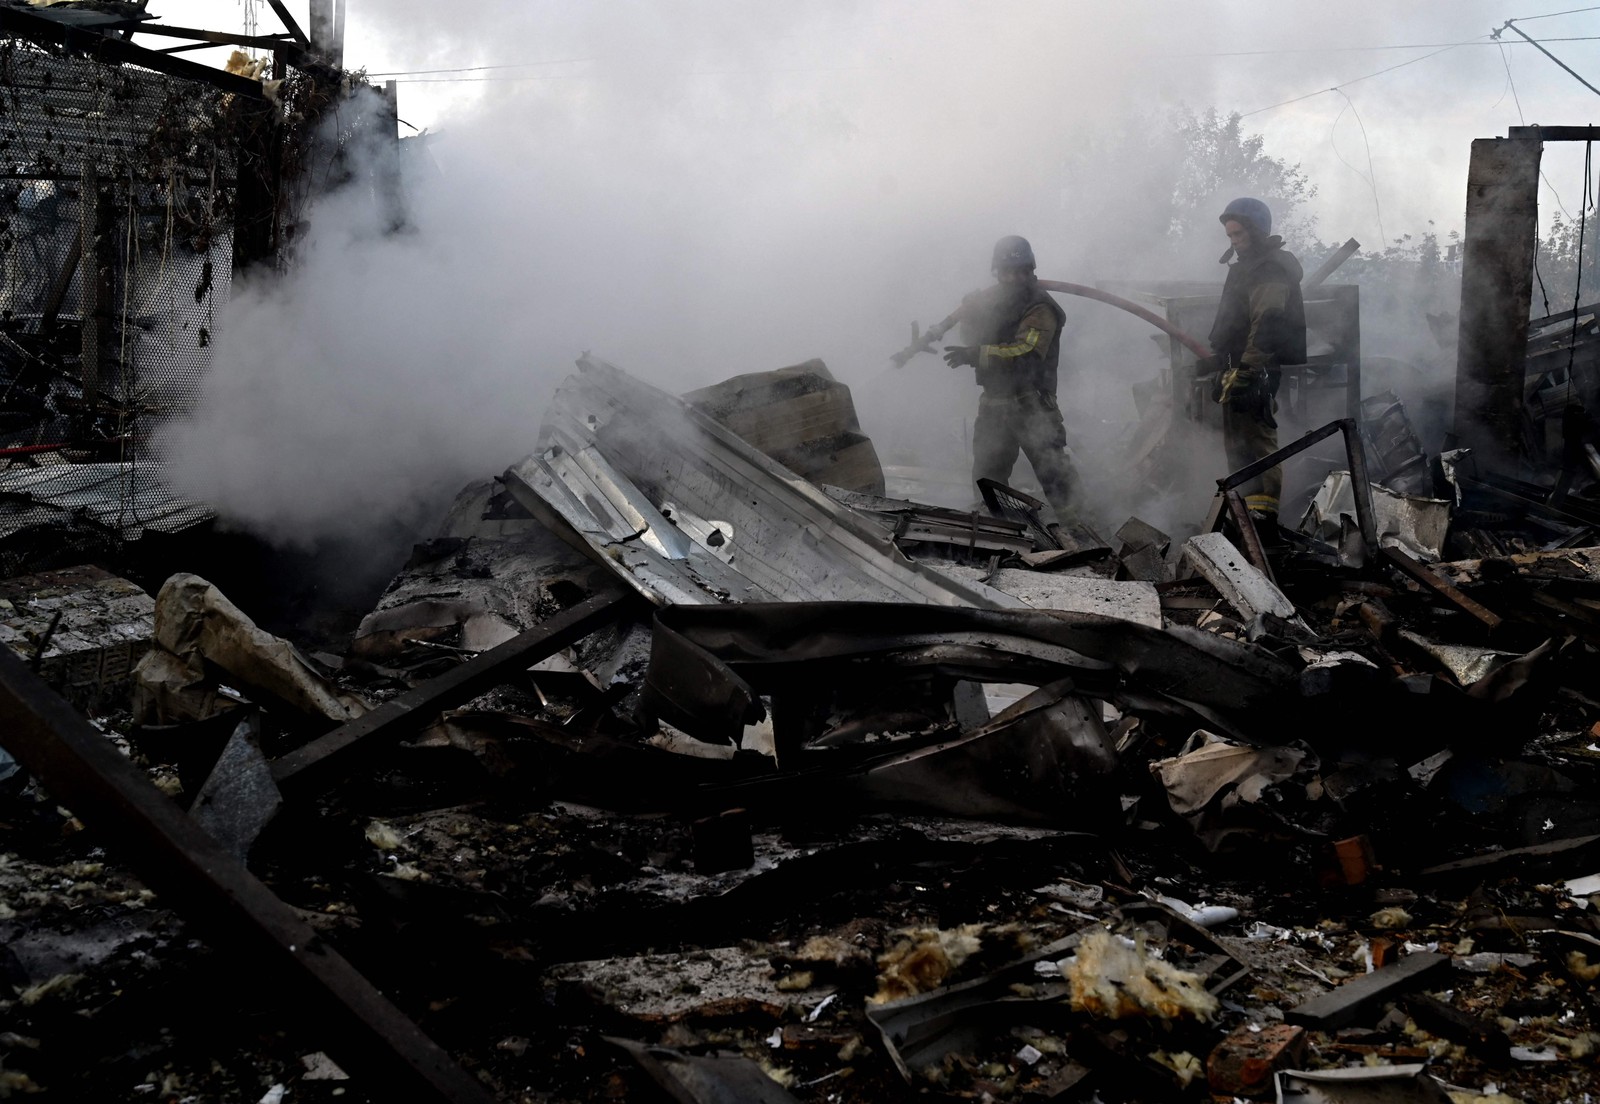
point(662, 769)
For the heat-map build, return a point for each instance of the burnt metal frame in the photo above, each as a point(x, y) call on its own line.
point(198, 877)
point(116, 51)
point(328, 758)
point(1361, 487)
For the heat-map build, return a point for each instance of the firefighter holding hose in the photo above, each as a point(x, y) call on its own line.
point(1013, 342)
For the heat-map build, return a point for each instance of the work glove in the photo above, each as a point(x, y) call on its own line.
point(1209, 365)
point(1239, 386)
point(957, 356)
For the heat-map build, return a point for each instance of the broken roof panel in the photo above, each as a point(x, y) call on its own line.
point(617, 455)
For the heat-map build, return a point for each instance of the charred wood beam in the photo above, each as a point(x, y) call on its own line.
point(1496, 290)
point(114, 51)
point(1418, 572)
point(328, 758)
point(194, 874)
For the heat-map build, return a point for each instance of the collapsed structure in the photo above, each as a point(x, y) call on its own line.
point(688, 757)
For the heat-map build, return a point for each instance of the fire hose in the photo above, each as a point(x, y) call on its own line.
point(924, 343)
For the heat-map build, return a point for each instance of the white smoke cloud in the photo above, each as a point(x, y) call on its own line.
point(703, 189)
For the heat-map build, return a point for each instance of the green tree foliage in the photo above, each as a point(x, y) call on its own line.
point(1218, 161)
point(1557, 268)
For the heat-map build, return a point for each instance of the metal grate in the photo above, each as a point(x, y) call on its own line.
point(116, 211)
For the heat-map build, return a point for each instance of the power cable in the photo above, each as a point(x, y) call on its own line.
point(479, 68)
point(1364, 49)
point(1372, 174)
point(1521, 118)
point(1346, 84)
point(1439, 46)
point(1511, 84)
point(1552, 15)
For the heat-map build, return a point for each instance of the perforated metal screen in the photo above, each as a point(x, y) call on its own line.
point(116, 210)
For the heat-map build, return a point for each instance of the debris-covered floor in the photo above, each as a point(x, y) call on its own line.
point(662, 772)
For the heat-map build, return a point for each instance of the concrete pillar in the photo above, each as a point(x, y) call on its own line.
point(1502, 227)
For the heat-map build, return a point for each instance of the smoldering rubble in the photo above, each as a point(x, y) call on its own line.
point(668, 766)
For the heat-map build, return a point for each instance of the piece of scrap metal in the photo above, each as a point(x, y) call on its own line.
point(1259, 601)
point(705, 1079)
point(616, 454)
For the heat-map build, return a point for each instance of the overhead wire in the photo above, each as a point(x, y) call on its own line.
point(1437, 47)
point(479, 68)
point(1372, 175)
point(1367, 49)
point(1511, 24)
point(1537, 243)
point(1346, 84)
point(1552, 15)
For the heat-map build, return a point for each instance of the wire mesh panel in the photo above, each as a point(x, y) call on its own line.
point(116, 212)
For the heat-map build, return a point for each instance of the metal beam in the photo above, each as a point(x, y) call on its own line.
point(289, 23)
point(192, 873)
point(1361, 487)
point(114, 51)
point(326, 759)
point(218, 38)
point(323, 22)
point(1329, 266)
point(1555, 133)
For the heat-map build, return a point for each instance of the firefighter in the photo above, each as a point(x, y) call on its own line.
point(1013, 335)
point(1261, 325)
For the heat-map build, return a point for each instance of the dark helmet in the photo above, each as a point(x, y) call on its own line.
point(1249, 212)
point(1012, 252)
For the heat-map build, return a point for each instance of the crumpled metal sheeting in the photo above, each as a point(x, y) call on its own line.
point(709, 664)
point(1411, 523)
point(615, 451)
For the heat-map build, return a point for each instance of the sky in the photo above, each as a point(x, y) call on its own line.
point(693, 189)
point(1393, 155)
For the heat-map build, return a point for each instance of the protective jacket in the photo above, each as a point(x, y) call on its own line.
point(1017, 328)
point(1261, 321)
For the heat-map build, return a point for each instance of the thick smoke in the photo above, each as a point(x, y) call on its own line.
point(716, 189)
